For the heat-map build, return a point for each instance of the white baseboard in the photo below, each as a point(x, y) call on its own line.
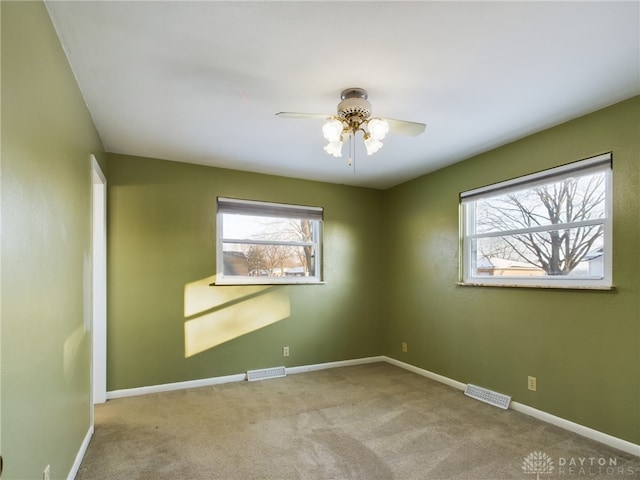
point(596, 435)
point(83, 449)
point(240, 377)
point(341, 363)
point(587, 432)
point(167, 387)
point(426, 373)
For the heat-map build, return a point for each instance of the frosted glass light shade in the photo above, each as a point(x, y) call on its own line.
point(378, 128)
point(332, 130)
point(372, 144)
point(334, 148)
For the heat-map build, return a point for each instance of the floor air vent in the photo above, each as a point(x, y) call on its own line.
point(265, 373)
point(487, 396)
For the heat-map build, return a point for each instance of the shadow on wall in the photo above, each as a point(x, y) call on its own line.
point(215, 315)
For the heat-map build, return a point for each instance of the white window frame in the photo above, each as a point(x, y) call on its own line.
point(600, 163)
point(268, 209)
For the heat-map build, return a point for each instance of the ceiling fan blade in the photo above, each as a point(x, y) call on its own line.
point(302, 115)
point(402, 127)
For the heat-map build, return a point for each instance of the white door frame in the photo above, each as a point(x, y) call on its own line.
point(99, 283)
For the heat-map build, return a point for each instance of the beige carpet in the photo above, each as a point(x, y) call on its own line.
point(366, 422)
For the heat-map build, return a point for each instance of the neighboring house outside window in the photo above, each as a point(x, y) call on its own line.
point(547, 229)
point(268, 243)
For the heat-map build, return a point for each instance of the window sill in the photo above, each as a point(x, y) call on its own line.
point(236, 283)
point(544, 287)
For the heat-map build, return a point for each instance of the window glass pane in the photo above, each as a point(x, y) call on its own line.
point(574, 199)
point(249, 227)
point(575, 252)
point(268, 243)
point(246, 259)
point(549, 229)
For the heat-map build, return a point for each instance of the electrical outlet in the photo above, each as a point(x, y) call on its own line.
point(404, 347)
point(46, 475)
point(532, 383)
point(285, 351)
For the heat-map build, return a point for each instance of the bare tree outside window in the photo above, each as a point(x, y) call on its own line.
point(555, 247)
point(305, 232)
point(276, 258)
point(551, 228)
point(256, 260)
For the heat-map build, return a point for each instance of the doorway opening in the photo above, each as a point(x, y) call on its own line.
point(99, 282)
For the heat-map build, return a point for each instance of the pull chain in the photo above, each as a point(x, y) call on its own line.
point(352, 153)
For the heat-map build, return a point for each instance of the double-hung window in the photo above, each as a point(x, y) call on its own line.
point(547, 229)
point(268, 243)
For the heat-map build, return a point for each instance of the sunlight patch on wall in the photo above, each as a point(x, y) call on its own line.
point(225, 313)
point(200, 296)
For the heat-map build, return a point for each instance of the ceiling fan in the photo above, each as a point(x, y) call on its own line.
point(353, 115)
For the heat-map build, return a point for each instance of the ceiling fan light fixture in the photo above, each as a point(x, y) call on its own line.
point(332, 130)
point(354, 115)
point(378, 128)
point(372, 144)
point(334, 148)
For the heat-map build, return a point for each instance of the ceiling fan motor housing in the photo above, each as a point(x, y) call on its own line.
point(354, 103)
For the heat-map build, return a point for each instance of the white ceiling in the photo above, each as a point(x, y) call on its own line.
point(200, 82)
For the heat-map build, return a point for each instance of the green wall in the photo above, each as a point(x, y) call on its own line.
point(391, 263)
point(161, 250)
point(583, 346)
point(47, 137)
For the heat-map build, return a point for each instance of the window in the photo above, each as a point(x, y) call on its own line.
point(548, 229)
point(266, 243)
